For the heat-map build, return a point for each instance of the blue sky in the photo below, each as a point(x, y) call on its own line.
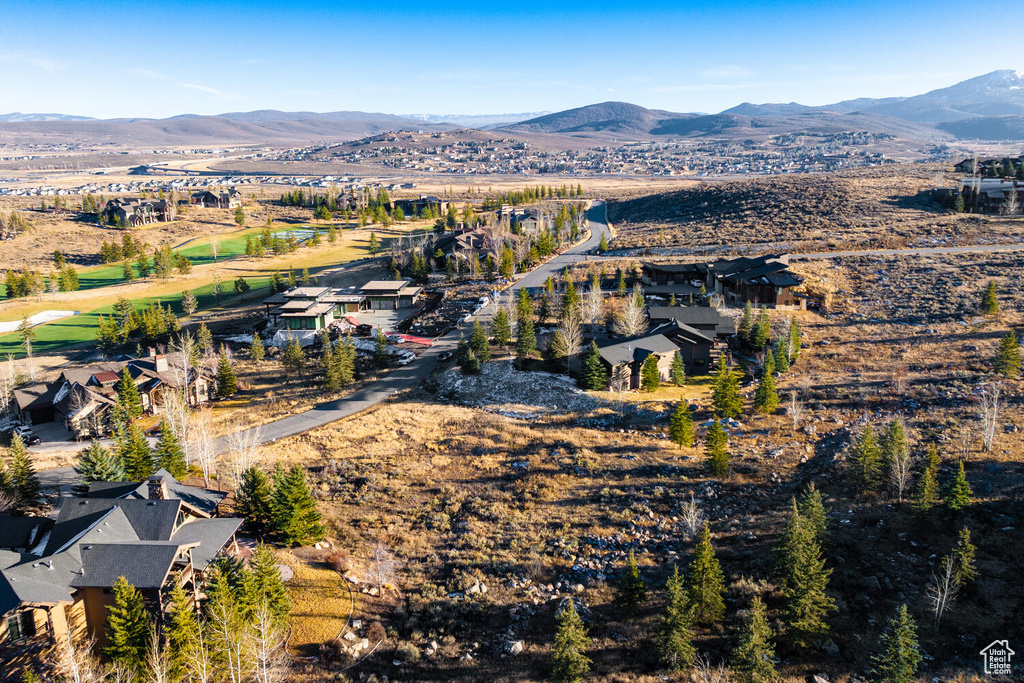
point(139, 58)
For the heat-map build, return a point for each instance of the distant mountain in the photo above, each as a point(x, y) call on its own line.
point(477, 121)
point(987, 128)
point(606, 117)
point(749, 109)
point(16, 117)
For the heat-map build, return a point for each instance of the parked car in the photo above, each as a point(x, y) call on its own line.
point(28, 437)
point(445, 356)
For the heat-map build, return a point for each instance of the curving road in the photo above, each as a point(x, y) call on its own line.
point(404, 377)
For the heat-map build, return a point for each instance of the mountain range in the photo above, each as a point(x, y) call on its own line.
point(987, 107)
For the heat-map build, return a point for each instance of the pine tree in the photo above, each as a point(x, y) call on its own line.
point(479, 343)
point(716, 453)
point(128, 396)
point(472, 364)
point(96, 463)
point(760, 333)
point(928, 484)
point(805, 579)
point(181, 630)
point(794, 341)
point(680, 426)
point(650, 374)
point(766, 396)
point(345, 358)
point(678, 371)
point(569, 661)
point(746, 325)
point(963, 555)
point(631, 591)
point(21, 477)
point(1008, 357)
point(293, 358)
point(704, 594)
point(227, 384)
point(256, 351)
point(864, 463)
point(134, 452)
point(204, 339)
point(380, 349)
point(526, 340)
point(595, 377)
point(900, 656)
point(296, 518)
point(958, 493)
point(169, 455)
point(127, 626)
point(675, 634)
point(264, 584)
point(374, 245)
point(989, 300)
point(726, 394)
point(501, 328)
point(814, 513)
point(254, 500)
point(782, 354)
point(752, 658)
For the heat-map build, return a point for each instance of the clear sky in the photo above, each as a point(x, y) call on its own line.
point(142, 58)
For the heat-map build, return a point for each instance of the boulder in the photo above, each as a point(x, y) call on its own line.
point(515, 647)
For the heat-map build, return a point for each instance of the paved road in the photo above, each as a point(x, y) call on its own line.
point(922, 251)
point(426, 362)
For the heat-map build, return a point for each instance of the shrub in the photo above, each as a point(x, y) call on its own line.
point(339, 561)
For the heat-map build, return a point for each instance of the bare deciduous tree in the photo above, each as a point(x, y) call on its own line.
point(632, 321)
point(692, 516)
point(593, 308)
point(383, 568)
point(200, 438)
point(796, 409)
point(244, 448)
point(942, 590)
point(197, 658)
point(571, 327)
point(706, 672)
point(900, 468)
point(74, 662)
point(990, 401)
point(265, 647)
point(177, 413)
point(157, 661)
point(1011, 203)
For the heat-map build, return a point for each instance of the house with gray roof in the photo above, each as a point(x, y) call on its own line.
point(624, 359)
point(56, 574)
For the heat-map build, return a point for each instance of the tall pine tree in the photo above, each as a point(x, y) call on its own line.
point(21, 477)
point(928, 485)
point(675, 633)
point(680, 426)
point(631, 591)
point(715, 450)
point(227, 383)
point(726, 394)
point(296, 517)
point(766, 397)
point(127, 626)
point(704, 593)
point(899, 657)
point(805, 579)
point(569, 661)
point(752, 658)
point(169, 454)
point(958, 493)
point(128, 396)
point(864, 463)
point(135, 454)
point(96, 463)
point(254, 500)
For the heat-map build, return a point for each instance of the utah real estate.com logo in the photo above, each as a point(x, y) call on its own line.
point(996, 658)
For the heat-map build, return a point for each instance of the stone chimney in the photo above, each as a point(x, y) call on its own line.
point(157, 487)
point(161, 362)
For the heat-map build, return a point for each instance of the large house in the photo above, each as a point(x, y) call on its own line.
point(83, 397)
point(992, 195)
point(136, 212)
point(311, 308)
point(420, 206)
point(761, 281)
point(56, 575)
point(390, 294)
point(624, 359)
point(225, 199)
point(701, 334)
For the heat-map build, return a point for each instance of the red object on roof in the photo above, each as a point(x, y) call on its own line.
point(106, 376)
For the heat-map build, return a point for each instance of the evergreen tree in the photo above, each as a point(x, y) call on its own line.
point(21, 477)
point(680, 426)
point(864, 463)
point(746, 325)
point(963, 555)
point(501, 328)
point(928, 484)
point(256, 351)
point(127, 626)
point(293, 358)
point(479, 343)
point(603, 246)
point(794, 340)
point(380, 349)
point(752, 658)
point(650, 374)
point(128, 396)
point(766, 397)
point(472, 364)
point(675, 634)
point(96, 463)
point(345, 358)
point(989, 300)
point(900, 656)
point(715, 452)
point(134, 452)
point(227, 384)
point(1008, 357)
point(595, 377)
point(678, 371)
point(180, 631)
point(631, 591)
point(726, 394)
point(958, 493)
point(805, 579)
point(782, 354)
point(374, 245)
point(526, 340)
point(169, 454)
point(760, 334)
point(296, 518)
point(264, 584)
point(704, 594)
point(893, 446)
point(189, 303)
point(814, 513)
point(254, 500)
point(204, 339)
point(569, 661)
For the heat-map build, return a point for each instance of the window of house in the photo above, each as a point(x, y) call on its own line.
point(20, 625)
